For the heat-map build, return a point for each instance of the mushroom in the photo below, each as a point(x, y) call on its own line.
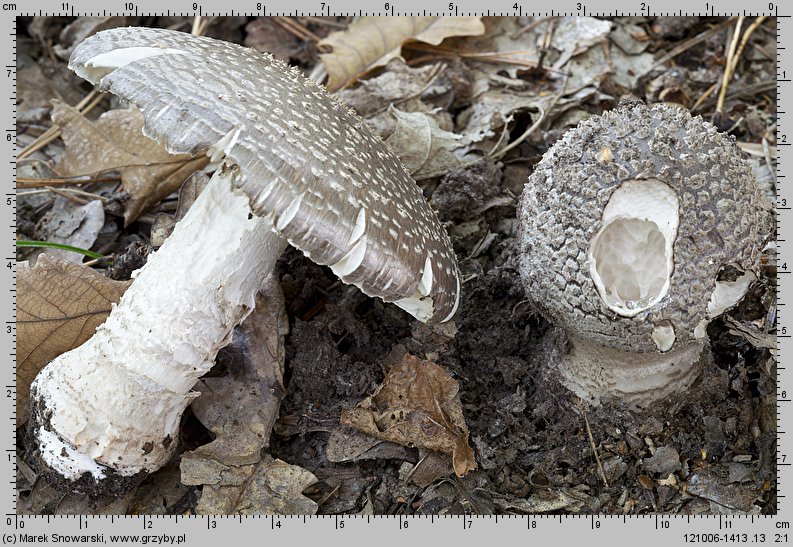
point(298, 167)
point(636, 229)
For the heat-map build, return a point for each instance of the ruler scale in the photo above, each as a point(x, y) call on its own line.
point(397, 529)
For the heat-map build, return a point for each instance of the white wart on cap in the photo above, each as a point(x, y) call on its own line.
point(637, 228)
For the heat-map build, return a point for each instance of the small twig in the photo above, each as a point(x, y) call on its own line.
point(94, 261)
point(330, 494)
point(68, 196)
point(704, 96)
point(759, 49)
point(595, 450)
point(729, 66)
point(200, 25)
point(532, 26)
point(506, 57)
point(49, 189)
point(415, 467)
point(746, 35)
point(523, 137)
point(325, 22)
point(735, 125)
point(501, 138)
point(32, 182)
point(516, 306)
point(535, 125)
point(290, 25)
point(752, 89)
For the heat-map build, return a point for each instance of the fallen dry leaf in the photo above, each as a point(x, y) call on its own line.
point(274, 487)
point(59, 306)
point(418, 404)
point(346, 444)
point(424, 148)
point(240, 409)
point(575, 35)
point(370, 42)
point(116, 142)
point(572, 500)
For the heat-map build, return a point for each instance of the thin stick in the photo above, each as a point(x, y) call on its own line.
point(506, 57)
point(691, 42)
point(532, 25)
point(297, 29)
point(32, 182)
point(196, 26)
point(704, 96)
point(729, 66)
point(49, 189)
point(522, 138)
point(70, 197)
point(535, 125)
point(595, 450)
point(745, 39)
point(752, 89)
point(324, 22)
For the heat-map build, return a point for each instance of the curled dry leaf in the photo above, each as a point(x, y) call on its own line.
point(418, 404)
point(370, 42)
point(59, 305)
point(425, 149)
point(575, 35)
point(116, 141)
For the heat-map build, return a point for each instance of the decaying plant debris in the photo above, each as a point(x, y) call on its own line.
point(469, 105)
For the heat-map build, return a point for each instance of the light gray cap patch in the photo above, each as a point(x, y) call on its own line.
point(305, 158)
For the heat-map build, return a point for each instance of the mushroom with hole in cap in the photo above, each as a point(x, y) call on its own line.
point(636, 229)
point(297, 167)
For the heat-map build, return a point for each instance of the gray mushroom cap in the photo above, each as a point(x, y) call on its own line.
point(724, 221)
point(331, 188)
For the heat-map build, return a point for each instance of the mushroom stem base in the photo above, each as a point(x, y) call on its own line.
point(594, 372)
point(111, 408)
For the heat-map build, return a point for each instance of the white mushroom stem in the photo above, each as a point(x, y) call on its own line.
point(113, 405)
point(592, 371)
